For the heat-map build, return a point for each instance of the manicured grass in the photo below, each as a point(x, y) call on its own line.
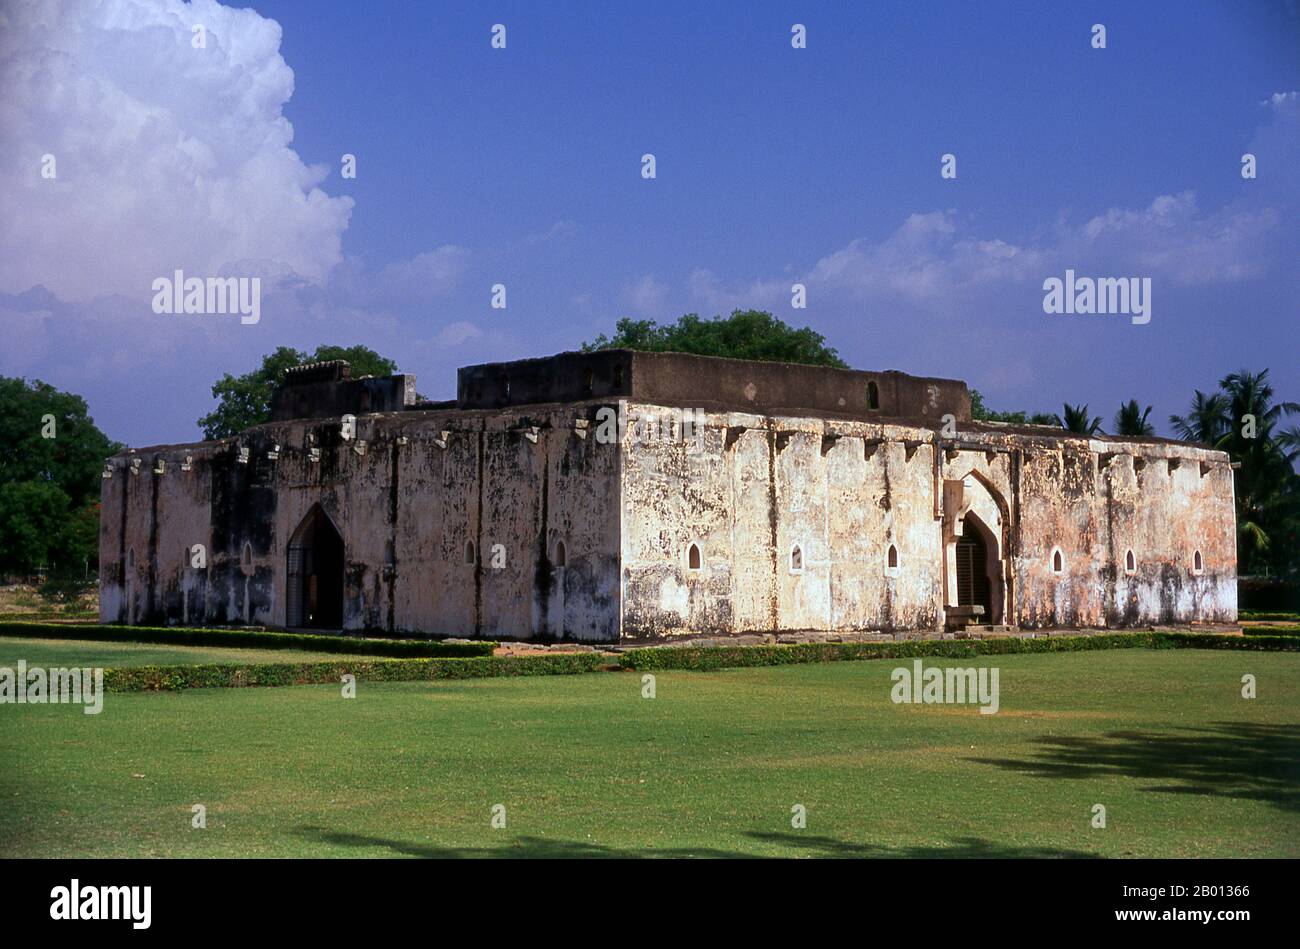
point(710, 767)
point(61, 652)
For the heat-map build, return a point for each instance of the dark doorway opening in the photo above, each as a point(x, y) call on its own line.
point(973, 588)
point(315, 574)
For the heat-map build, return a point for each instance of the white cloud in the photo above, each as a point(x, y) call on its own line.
point(425, 276)
point(459, 332)
point(710, 296)
point(560, 230)
point(167, 156)
point(647, 296)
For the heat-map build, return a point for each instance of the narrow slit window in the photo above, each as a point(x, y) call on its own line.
point(1130, 563)
point(796, 559)
point(561, 555)
point(130, 557)
point(618, 377)
point(469, 551)
point(1198, 564)
point(873, 396)
point(893, 557)
point(693, 557)
point(1058, 562)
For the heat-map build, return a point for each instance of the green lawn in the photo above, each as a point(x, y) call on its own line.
point(63, 652)
point(712, 766)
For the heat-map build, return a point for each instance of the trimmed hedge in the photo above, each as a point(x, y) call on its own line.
point(175, 678)
point(1253, 615)
point(250, 639)
point(722, 657)
point(1287, 630)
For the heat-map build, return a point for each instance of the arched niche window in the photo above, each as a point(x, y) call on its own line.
point(561, 558)
point(588, 380)
point(469, 551)
point(873, 396)
point(618, 377)
point(796, 559)
point(693, 557)
point(1198, 565)
point(246, 559)
point(1130, 563)
point(130, 556)
point(1058, 561)
point(891, 560)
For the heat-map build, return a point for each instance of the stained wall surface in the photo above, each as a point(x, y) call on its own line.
point(793, 520)
point(452, 522)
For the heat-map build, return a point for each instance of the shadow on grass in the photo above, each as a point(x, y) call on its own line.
point(1241, 760)
point(799, 844)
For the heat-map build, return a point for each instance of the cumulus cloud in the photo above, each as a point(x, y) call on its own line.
point(710, 295)
point(647, 296)
point(425, 276)
point(927, 257)
point(167, 156)
point(454, 334)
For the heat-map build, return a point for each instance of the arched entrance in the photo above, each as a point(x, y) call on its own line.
point(973, 586)
point(315, 594)
point(975, 574)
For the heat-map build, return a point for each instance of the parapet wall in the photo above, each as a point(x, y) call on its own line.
point(744, 385)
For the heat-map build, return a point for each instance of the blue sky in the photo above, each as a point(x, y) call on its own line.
point(521, 166)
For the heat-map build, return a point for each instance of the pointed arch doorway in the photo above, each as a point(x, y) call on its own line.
point(973, 582)
point(975, 542)
point(315, 584)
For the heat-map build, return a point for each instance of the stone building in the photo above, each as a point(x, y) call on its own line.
point(622, 495)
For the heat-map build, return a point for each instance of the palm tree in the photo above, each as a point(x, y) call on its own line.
point(1132, 421)
point(1206, 422)
point(1265, 480)
point(1250, 393)
point(1076, 420)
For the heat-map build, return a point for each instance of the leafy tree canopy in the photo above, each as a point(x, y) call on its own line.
point(244, 401)
point(51, 456)
point(746, 334)
point(982, 413)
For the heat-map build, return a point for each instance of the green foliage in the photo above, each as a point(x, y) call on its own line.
point(1243, 419)
point(249, 638)
point(1076, 420)
point(982, 413)
point(49, 486)
point(746, 334)
point(724, 657)
point(245, 401)
point(1133, 421)
point(173, 678)
point(66, 587)
point(72, 459)
point(1271, 630)
point(1205, 422)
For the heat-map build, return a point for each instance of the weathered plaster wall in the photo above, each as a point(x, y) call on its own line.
point(747, 492)
point(752, 488)
point(426, 484)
